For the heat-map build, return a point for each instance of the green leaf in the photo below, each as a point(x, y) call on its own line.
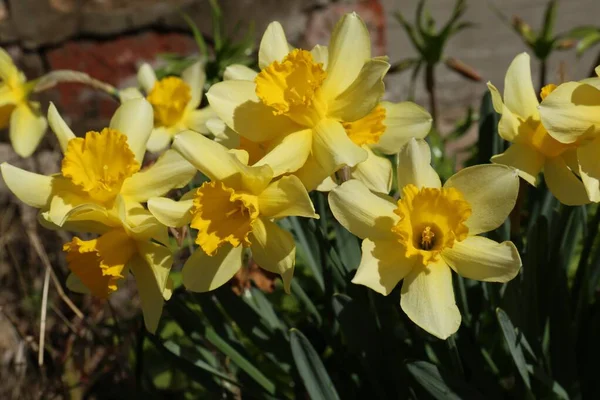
point(311, 369)
point(514, 345)
point(440, 385)
point(198, 38)
point(549, 20)
point(307, 250)
point(588, 42)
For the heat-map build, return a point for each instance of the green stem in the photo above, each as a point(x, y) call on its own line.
point(430, 86)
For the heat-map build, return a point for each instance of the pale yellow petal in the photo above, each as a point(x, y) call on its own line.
point(223, 134)
point(519, 95)
point(286, 197)
point(8, 70)
point(216, 162)
point(236, 103)
point(135, 119)
point(362, 212)
point(375, 172)
point(159, 139)
point(497, 102)
point(196, 119)
point(382, 265)
point(160, 260)
point(59, 127)
point(274, 249)
point(27, 128)
point(170, 212)
point(571, 110)
point(483, 259)
point(491, 190)
point(414, 166)
point(525, 159)
point(195, 77)
point(142, 225)
point(427, 298)
point(509, 125)
point(202, 273)
point(321, 55)
point(239, 72)
point(312, 174)
point(589, 168)
point(146, 77)
point(151, 298)
point(289, 153)
point(349, 48)
point(402, 121)
point(333, 148)
point(170, 171)
point(32, 189)
point(273, 45)
point(563, 183)
point(129, 94)
point(363, 95)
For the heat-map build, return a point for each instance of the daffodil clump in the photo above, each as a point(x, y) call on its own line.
point(100, 190)
point(23, 117)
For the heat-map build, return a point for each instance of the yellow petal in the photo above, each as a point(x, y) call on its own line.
point(216, 162)
point(202, 273)
point(402, 121)
point(8, 70)
point(196, 119)
point(563, 183)
point(519, 94)
point(236, 103)
point(159, 139)
point(289, 153)
point(151, 298)
point(239, 72)
point(571, 110)
point(32, 189)
point(195, 77)
point(363, 95)
point(286, 197)
point(312, 174)
point(491, 190)
point(170, 171)
point(525, 159)
point(589, 168)
point(170, 212)
point(428, 299)
point(74, 284)
point(273, 45)
point(483, 259)
point(382, 265)
point(27, 127)
point(134, 119)
point(509, 125)
point(223, 134)
point(333, 148)
point(375, 172)
point(363, 213)
point(274, 250)
point(59, 127)
point(321, 55)
point(349, 49)
point(160, 261)
point(414, 166)
point(496, 98)
point(146, 77)
point(143, 226)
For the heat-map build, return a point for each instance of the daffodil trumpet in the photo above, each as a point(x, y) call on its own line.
point(429, 232)
point(236, 209)
point(293, 109)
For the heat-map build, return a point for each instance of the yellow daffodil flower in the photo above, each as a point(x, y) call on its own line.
point(294, 107)
point(26, 125)
point(234, 210)
point(100, 173)
point(99, 265)
point(532, 148)
point(175, 102)
point(430, 231)
point(571, 113)
point(385, 129)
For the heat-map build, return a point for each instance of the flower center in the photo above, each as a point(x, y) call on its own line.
point(169, 98)
point(100, 163)
point(368, 129)
point(222, 216)
point(430, 221)
point(290, 87)
point(99, 263)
